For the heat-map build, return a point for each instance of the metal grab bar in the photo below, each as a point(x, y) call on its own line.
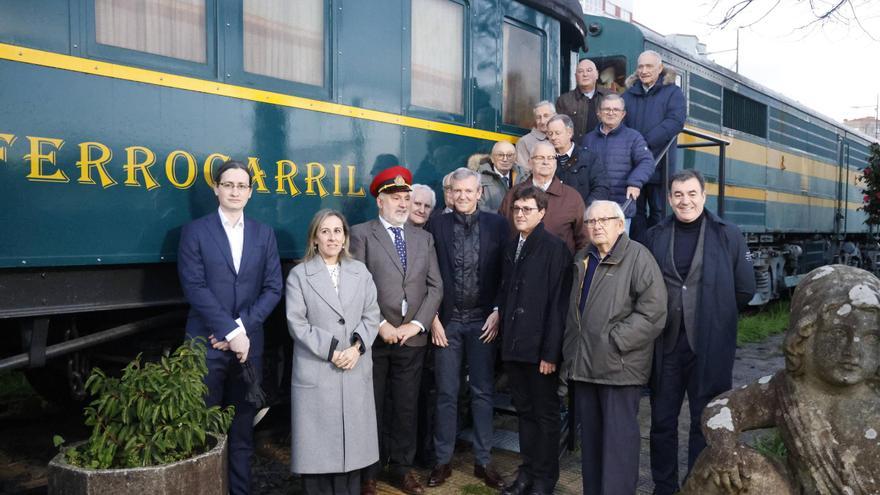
point(710, 141)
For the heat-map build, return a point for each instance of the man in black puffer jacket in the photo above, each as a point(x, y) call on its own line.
point(468, 243)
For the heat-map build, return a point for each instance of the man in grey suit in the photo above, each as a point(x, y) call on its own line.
point(403, 263)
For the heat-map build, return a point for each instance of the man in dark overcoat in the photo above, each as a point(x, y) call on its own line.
point(709, 277)
point(656, 107)
point(536, 282)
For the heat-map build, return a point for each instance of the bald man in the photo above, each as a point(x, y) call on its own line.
point(656, 107)
point(498, 174)
point(581, 103)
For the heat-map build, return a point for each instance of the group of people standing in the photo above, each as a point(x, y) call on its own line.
point(528, 262)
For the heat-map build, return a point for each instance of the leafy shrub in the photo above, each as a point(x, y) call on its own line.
point(154, 414)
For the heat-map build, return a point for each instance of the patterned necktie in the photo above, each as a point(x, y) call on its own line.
point(399, 245)
point(519, 246)
point(508, 179)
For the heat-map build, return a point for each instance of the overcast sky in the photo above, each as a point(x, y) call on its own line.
point(830, 69)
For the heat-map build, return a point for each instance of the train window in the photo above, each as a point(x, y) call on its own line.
point(522, 70)
point(171, 28)
point(285, 40)
point(744, 114)
point(437, 55)
point(612, 72)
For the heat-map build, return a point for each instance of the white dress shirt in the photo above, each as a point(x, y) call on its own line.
point(235, 236)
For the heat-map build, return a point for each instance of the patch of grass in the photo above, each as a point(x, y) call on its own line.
point(477, 489)
point(13, 384)
point(771, 445)
point(770, 320)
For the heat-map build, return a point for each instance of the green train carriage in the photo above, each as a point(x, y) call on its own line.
point(791, 175)
point(114, 113)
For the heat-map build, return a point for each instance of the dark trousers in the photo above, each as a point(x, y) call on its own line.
point(226, 387)
point(427, 407)
point(464, 341)
point(332, 483)
point(677, 376)
point(650, 209)
point(398, 370)
point(610, 440)
point(537, 408)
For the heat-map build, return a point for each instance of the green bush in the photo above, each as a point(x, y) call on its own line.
point(154, 414)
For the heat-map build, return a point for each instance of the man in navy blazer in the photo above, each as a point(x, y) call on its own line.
point(469, 245)
point(230, 274)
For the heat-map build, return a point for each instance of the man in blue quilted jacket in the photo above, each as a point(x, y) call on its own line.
point(628, 161)
point(656, 108)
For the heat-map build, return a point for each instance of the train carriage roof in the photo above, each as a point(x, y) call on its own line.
point(658, 40)
point(570, 15)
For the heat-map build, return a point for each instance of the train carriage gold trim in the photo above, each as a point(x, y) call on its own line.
point(116, 71)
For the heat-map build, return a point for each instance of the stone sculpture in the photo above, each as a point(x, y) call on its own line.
point(825, 403)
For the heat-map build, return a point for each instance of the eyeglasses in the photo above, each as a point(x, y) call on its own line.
point(548, 158)
point(229, 186)
point(505, 156)
point(611, 110)
point(600, 221)
point(525, 210)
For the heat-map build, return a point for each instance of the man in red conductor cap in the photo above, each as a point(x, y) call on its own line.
point(403, 262)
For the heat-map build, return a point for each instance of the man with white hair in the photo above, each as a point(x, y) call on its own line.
point(656, 108)
point(543, 111)
point(565, 207)
point(498, 175)
point(423, 201)
point(469, 244)
point(616, 310)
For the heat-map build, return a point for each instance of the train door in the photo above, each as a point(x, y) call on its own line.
point(842, 191)
point(612, 72)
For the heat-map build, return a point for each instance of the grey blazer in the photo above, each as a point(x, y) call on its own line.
point(421, 285)
point(333, 414)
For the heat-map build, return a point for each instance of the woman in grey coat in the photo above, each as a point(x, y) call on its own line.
point(333, 317)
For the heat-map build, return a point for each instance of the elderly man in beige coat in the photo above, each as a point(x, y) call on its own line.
point(616, 310)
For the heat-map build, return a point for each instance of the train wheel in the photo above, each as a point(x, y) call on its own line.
point(62, 380)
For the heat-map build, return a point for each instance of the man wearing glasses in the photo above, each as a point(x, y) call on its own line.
point(231, 277)
point(536, 281)
point(498, 175)
point(616, 310)
point(564, 217)
point(626, 156)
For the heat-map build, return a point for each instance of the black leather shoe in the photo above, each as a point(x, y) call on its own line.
point(489, 476)
point(439, 475)
point(518, 487)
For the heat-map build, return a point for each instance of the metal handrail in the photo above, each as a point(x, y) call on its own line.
point(710, 141)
